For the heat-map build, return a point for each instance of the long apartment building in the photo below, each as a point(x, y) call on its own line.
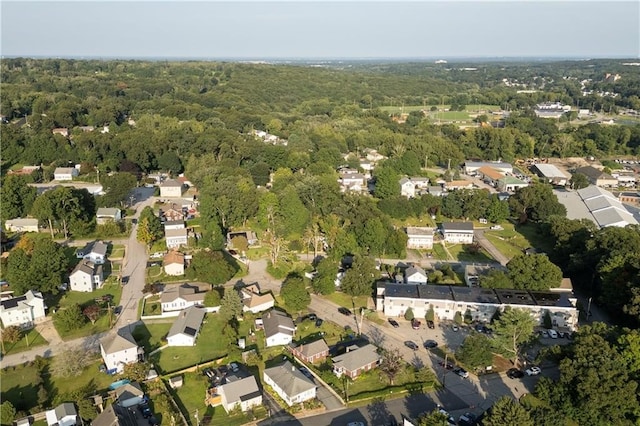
point(394, 299)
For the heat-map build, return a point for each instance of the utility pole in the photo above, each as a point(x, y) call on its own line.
point(444, 373)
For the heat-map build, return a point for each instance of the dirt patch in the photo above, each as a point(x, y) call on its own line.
point(572, 163)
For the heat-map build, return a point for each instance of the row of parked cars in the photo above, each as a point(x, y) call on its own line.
point(415, 323)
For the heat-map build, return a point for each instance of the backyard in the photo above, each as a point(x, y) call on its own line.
point(512, 240)
point(29, 340)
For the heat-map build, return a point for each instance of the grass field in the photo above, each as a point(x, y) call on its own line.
point(32, 336)
point(347, 301)
point(512, 240)
point(152, 306)
point(458, 252)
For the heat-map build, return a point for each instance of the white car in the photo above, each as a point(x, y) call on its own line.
point(496, 228)
point(553, 334)
point(533, 371)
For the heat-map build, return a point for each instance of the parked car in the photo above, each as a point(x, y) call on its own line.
point(455, 328)
point(394, 323)
point(344, 311)
point(496, 228)
point(430, 344)
point(543, 333)
point(415, 324)
point(306, 372)
point(461, 372)
point(355, 424)
point(319, 322)
point(411, 345)
point(468, 419)
point(450, 418)
point(515, 373)
point(117, 310)
point(153, 421)
point(145, 410)
point(209, 373)
point(430, 324)
point(553, 334)
point(312, 317)
point(234, 367)
point(533, 371)
point(448, 365)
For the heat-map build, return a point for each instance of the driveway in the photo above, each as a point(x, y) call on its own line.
point(488, 246)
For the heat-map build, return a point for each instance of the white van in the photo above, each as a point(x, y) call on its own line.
point(553, 334)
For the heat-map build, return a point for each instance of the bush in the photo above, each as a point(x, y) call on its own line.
point(408, 315)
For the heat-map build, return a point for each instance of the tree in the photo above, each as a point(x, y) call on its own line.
point(457, 318)
point(170, 162)
point(92, 312)
point(117, 187)
point(16, 197)
point(533, 272)
point(11, 334)
point(578, 181)
point(408, 314)
point(430, 315)
point(295, 294)
point(18, 271)
point(391, 363)
point(546, 320)
point(149, 227)
point(136, 371)
point(43, 270)
point(536, 202)
point(506, 411)
point(230, 305)
point(512, 330)
point(359, 279)
point(497, 211)
point(433, 418)
point(213, 267)
point(387, 182)
point(239, 242)
point(212, 298)
point(70, 363)
point(496, 279)
point(476, 351)
point(70, 318)
point(7, 413)
point(324, 281)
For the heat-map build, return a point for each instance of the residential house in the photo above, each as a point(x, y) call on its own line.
point(366, 165)
point(62, 131)
point(176, 381)
point(355, 182)
point(550, 173)
point(173, 263)
point(170, 188)
point(415, 275)
point(185, 328)
point(174, 224)
point(255, 302)
point(21, 225)
point(118, 349)
point(172, 215)
point(86, 276)
point(105, 215)
point(435, 190)
point(458, 232)
point(510, 184)
point(179, 297)
point(95, 252)
point(23, 311)
point(289, 383)
point(250, 236)
point(129, 394)
point(278, 328)
point(419, 237)
point(356, 361)
point(458, 184)
point(64, 414)
point(598, 177)
point(313, 352)
point(175, 237)
point(242, 394)
point(65, 173)
point(481, 303)
point(407, 188)
point(115, 415)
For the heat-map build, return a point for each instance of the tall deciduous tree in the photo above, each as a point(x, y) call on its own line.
point(117, 187)
point(533, 272)
point(507, 411)
point(295, 294)
point(212, 267)
point(324, 281)
point(359, 279)
point(230, 305)
point(511, 331)
point(392, 363)
point(16, 197)
point(476, 351)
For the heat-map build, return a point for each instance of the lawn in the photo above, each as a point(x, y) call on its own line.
point(32, 336)
point(101, 325)
point(343, 299)
point(152, 306)
point(117, 251)
point(111, 288)
point(459, 253)
point(151, 335)
point(514, 239)
point(439, 252)
point(308, 332)
point(531, 232)
point(450, 115)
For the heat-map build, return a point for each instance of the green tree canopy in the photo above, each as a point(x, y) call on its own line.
point(511, 331)
point(213, 267)
point(358, 280)
point(507, 412)
point(16, 197)
point(476, 352)
point(533, 272)
point(324, 281)
point(295, 294)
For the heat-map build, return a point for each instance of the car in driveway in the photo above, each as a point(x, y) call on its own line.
point(345, 311)
point(393, 323)
point(533, 371)
point(455, 327)
point(415, 324)
point(319, 322)
point(234, 367)
point(430, 344)
point(312, 317)
point(461, 372)
point(430, 324)
point(411, 345)
point(468, 419)
point(515, 373)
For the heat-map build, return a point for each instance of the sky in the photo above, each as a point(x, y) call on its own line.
point(321, 29)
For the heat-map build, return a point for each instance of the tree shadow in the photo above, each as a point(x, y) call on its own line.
point(376, 336)
point(379, 412)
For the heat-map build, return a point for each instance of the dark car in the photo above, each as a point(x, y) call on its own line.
point(468, 419)
point(448, 366)
point(415, 324)
point(145, 410)
point(461, 372)
point(117, 310)
point(153, 421)
point(430, 324)
point(411, 345)
point(319, 322)
point(430, 344)
point(394, 323)
point(515, 373)
point(312, 317)
point(345, 311)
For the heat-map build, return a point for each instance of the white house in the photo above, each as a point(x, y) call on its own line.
point(243, 393)
point(185, 328)
point(171, 188)
point(415, 275)
point(458, 232)
point(289, 383)
point(175, 237)
point(106, 215)
point(355, 182)
point(95, 252)
point(21, 225)
point(419, 238)
point(64, 414)
point(407, 188)
point(23, 311)
point(65, 173)
point(178, 297)
point(173, 224)
point(278, 328)
point(86, 276)
point(118, 349)
point(255, 302)
point(173, 263)
point(129, 394)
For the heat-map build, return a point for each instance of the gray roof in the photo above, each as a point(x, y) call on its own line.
point(188, 322)
point(515, 297)
point(181, 232)
point(118, 341)
point(603, 208)
point(277, 322)
point(97, 247)
point(474, 295)
point(488, 163)
point(457, 226)
point(411, 291)
point(357, 358)
point(106, 211)
point(184, 291)
point(173, 222)
point(551, 298)
point(19, 221)
point(289, 379)
point(549, 171)
point(87, 267)
point(413, 230)
point(128, 391)
point(65, 170)
point(171, 183)
point(65, 409)
point(593, 173)
point(15, 302)
point(240, 390)
point(115, 415)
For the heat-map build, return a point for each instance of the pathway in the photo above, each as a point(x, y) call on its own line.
point(488, 246)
